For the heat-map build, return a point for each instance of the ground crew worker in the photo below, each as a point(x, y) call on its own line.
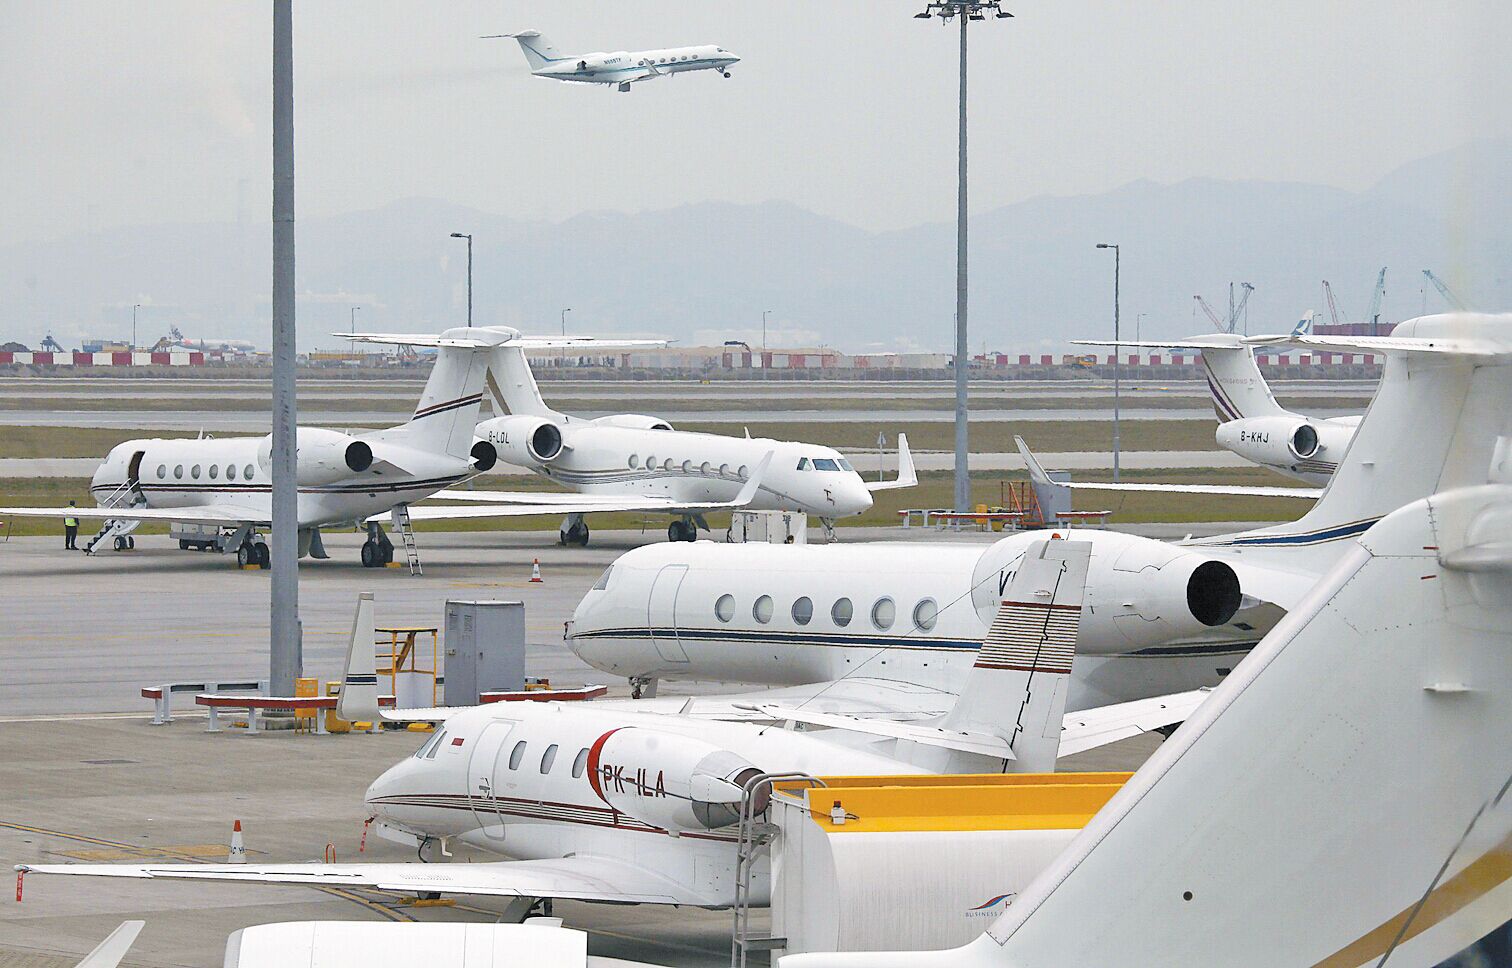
point(70, 531)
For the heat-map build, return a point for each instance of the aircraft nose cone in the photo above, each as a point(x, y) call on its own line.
point(387, 785)
point(858, 499)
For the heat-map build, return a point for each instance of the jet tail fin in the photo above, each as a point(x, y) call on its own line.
point(537, 49)
point(1233, 378)
point(359, 687)
point(1025, 661)
point(110, 952)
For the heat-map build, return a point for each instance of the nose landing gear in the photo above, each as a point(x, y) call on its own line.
point(377, 550)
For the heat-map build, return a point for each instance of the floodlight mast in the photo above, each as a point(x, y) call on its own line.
point(968, 11)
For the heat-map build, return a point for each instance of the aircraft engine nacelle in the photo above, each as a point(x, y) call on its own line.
point(321, 456)
point(484, 455)
point(1140, 592)
point(632, 421)
point(524, 440)
point(1271, 440)
point(668, 780)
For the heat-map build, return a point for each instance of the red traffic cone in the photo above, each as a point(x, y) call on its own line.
point(238, 853)
point(535, 571)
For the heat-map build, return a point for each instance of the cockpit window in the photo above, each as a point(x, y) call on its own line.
point(803, 463)
point(825, 464)
point(603, 581)
point(427, 751)
point(845, 465)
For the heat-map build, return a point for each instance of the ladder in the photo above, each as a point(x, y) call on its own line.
point(753, 838)
point(124, 496)
point(401, 519)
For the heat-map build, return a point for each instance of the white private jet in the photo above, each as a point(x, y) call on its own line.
point(1162, 616)
point(606, 801)
point(226, 485)
point(1339, 801)
point(618, 68)
point(633, 462)
point(1250, 421)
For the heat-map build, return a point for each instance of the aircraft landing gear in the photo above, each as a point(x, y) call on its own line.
point(377, 550)
point(726, 73)
point(682, 531)
point(574, 531)
point(253, 553)
point(624, 87)
point(643, 687)
point(124, 542)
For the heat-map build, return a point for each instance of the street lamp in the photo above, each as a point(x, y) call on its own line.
point(1117, 369)
point(1137, 320)
point(562, 358)
point(133, 325)
point(764, 314)
point(353, 348)
point(460, 235)
point(968, 11)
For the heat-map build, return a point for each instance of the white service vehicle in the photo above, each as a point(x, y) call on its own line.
point(634, 462)
point(226, 484)
point(1161, 616)
point(607, 801)
point(618, 68)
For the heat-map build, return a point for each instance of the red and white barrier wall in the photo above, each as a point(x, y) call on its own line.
point(104, 359)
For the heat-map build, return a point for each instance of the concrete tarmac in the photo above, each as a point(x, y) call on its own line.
point(83, 776)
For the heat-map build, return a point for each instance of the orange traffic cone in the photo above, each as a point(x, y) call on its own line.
point(238, 853)
point(535, 571)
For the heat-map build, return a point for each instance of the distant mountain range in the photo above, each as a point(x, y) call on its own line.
point(703, 273)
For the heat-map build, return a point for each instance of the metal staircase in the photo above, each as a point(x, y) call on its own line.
point(125, 496)
point(753, 839)
point(401, 519)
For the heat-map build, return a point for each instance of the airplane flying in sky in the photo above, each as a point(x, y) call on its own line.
point(225, 484)
point(633, 462)
point(1162, 616)
point(620, 68)
point(607, 801)
point(1295, 788)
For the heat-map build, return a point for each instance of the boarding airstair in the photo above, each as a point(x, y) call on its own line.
point(117, 530)
point(752, 842)
point(401, 519)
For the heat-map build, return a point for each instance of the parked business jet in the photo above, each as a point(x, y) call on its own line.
point(343, 478)
point(619, 68)
point(1250, 421)
point(605, 801)
point(1161, 617)
point(1289, 821)
point(634, 462)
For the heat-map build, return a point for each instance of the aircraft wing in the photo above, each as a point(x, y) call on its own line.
point(489, 337)
point(208, 514)
point(1214, 341)
point(907, 476)
point(579, 878)
point(591, 504)
point(1092, 728)
point(555, 498)
point(1388, 344)
point(1037, 472)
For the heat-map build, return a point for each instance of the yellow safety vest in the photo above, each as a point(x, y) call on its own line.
point(71, 522)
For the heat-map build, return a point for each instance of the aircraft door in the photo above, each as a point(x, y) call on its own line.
point(134, 473)
point(662, 608)
point(492, 745)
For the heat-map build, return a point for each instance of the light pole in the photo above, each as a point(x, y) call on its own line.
point(133, 325)
point(1137, 320)
point(764, 314)
point(353, 348)
point(1117, 364)
point(562, 359)
point(460, 235)
point(968, 11)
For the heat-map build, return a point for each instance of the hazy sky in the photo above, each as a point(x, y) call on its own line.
point(143, 112)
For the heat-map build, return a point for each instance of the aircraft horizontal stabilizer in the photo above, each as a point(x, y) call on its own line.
point(1213, 341)
point(578, 878)
point(1038, 474)
point(486, 337)
point(1091, 728)
point(113, 950)
point(907, 475)
point(981, 744)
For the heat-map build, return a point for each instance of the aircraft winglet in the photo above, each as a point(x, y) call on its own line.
point(907, 475)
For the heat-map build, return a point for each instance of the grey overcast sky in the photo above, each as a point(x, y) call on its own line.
point(147, 112)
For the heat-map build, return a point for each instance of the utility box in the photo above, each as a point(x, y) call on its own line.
point(772, 527)
point(1054, 500)
point(484, 650)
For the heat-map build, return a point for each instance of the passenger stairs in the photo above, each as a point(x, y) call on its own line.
point(116, 530)
point(753, 841)
point(401, 519)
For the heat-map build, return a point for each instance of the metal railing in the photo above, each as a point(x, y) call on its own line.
point(753, 837)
